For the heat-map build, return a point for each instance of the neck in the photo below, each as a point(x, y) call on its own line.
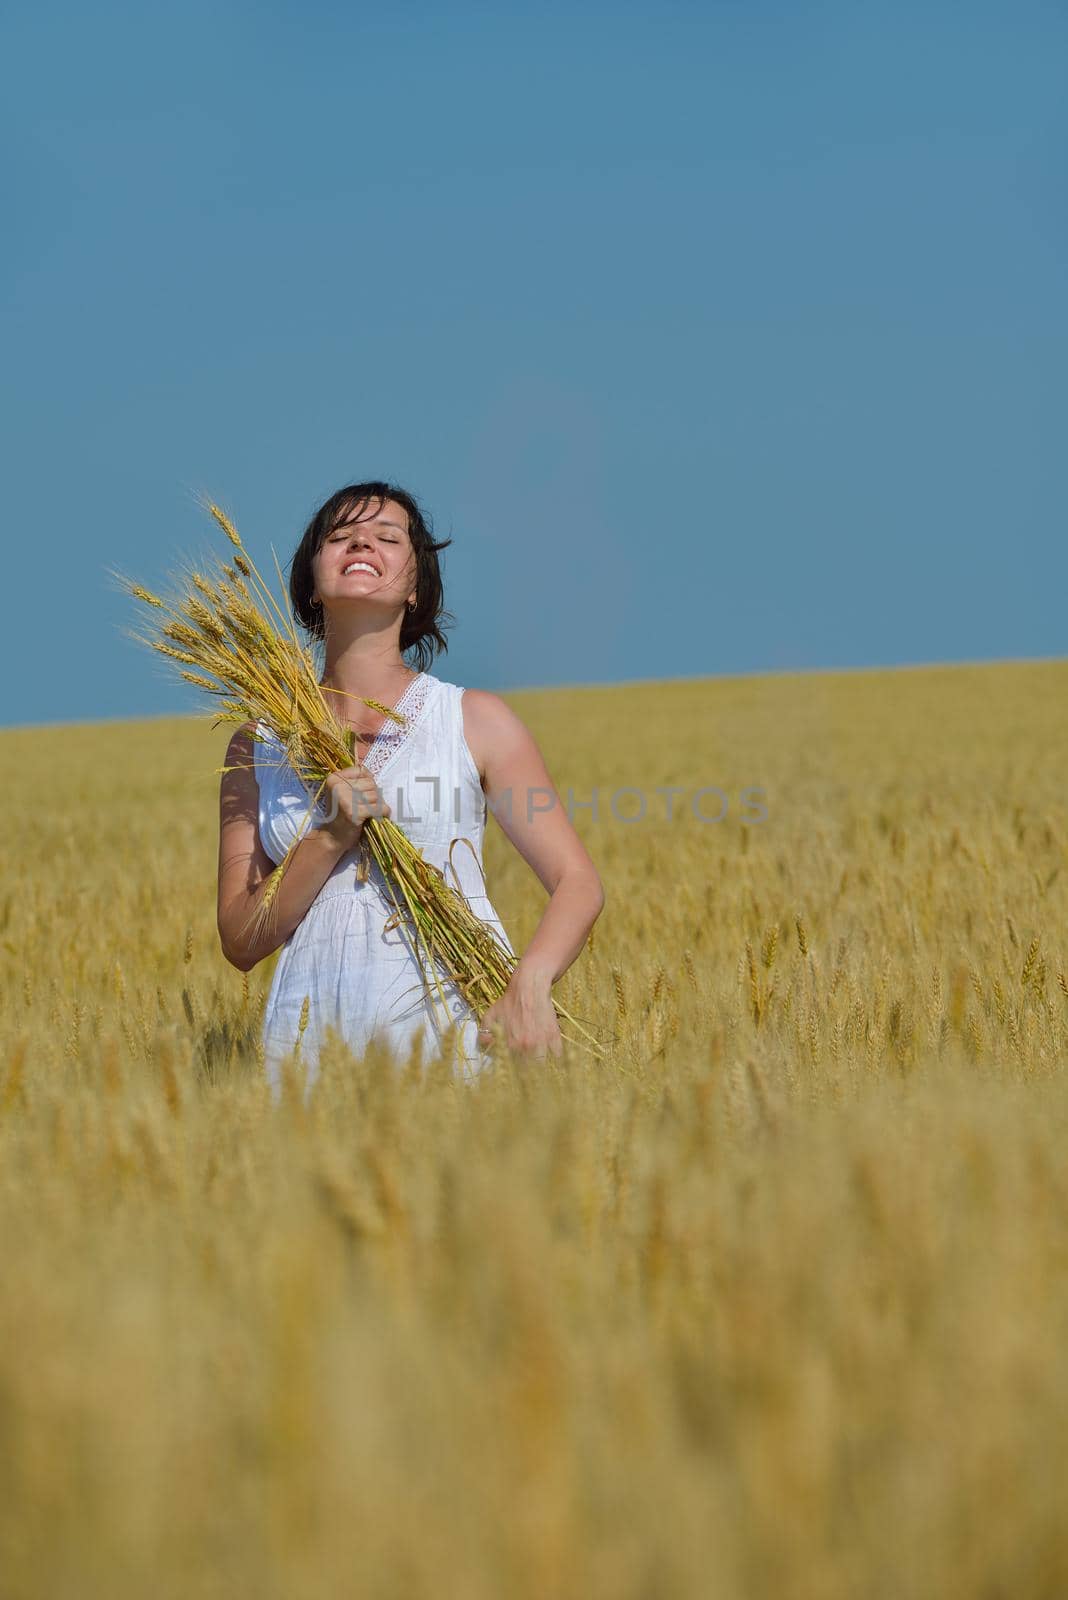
point(364, 659)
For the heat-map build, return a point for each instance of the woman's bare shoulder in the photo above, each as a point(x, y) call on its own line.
point(486, 712)
point(491, 727)
point(485, 704)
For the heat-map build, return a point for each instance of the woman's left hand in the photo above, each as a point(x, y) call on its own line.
point(524, 1017)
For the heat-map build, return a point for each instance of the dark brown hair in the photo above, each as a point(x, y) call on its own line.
point(422, 630)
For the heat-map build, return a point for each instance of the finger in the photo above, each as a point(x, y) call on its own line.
point(364, 805)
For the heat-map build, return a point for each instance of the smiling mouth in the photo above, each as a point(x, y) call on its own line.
point(360, 566)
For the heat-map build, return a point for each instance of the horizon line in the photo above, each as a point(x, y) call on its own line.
point(614, 683)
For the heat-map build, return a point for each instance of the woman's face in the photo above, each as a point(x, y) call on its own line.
point(367, 555)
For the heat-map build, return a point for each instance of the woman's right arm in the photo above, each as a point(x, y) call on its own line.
point(244, 864)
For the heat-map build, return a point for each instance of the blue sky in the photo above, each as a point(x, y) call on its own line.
point(721, 339)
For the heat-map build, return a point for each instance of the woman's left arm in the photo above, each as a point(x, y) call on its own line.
point(523, 797)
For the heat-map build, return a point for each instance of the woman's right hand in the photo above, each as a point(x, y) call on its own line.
point(352, 795)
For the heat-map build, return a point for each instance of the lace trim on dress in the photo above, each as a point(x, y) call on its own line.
point(390, 739)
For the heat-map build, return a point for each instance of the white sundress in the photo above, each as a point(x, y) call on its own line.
point(360, 976)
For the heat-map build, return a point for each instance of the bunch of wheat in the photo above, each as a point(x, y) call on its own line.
point(223, 628)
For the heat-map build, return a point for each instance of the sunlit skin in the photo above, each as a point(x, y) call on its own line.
point(363, 613)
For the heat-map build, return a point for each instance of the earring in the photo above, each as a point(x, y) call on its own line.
point(411, 605)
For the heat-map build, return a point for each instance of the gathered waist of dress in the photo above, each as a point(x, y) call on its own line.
point(372, 893)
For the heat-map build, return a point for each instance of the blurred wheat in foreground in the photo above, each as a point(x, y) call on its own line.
point(773, 1302)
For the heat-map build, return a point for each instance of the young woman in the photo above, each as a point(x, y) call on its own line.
point(365, 581)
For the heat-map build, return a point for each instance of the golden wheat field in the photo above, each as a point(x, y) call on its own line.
point(771, 1302)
